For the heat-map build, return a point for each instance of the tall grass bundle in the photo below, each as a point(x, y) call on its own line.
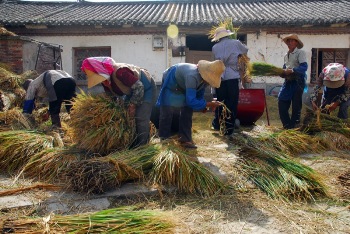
point(140, 158)
point(17, 147)
point(100, 125)
point(292, 142)
point(174, 167)
point(99, 175)
point(264, 69)
point(117, 220)
point(50, 165)
point(279, 176)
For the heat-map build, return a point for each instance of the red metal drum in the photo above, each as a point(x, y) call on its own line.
point(251, 105)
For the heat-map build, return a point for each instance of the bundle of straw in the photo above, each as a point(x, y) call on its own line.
point(140, 158)
point(100, 125)
point(99, 175)
point(17, 148)
point(264, 69)
point(277, 175)
point(174, 167)
point(292, 142)
point(50, 165)
point(117, 220)
point(319, 122)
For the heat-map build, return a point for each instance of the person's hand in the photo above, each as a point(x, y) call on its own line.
point(314, 106)
point(212, 105)
point(288, 71)
point(131, 109)
point(333, 106)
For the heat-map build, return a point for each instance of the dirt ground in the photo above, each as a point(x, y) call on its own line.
point(246, 209)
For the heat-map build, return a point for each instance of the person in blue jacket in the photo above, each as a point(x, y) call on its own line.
point(182, 91)
point(335, 80)
point(291, 92)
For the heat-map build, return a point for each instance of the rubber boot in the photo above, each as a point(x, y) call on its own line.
point(56, 121)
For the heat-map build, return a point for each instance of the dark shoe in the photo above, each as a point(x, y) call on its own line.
point(188, 145)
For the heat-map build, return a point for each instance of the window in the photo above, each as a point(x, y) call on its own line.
point(321, 57)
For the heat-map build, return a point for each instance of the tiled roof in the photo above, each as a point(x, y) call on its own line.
point(186, 13)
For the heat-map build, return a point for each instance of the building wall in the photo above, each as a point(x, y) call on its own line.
point(134, 49)
point(11, 50)
point(138, 49)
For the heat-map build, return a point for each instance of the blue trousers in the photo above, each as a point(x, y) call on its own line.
point(284, 106)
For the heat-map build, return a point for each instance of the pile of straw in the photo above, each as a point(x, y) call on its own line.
point(117, 220)
point(277, 175)
point(99, 124)
point(292, 142)
point(17, 148)
point(99, 175)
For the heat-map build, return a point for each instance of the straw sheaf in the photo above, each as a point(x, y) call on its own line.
point(99, 124)
point(99, 175)
point(17, 148)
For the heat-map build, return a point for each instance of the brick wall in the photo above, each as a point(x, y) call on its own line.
point(11, 53)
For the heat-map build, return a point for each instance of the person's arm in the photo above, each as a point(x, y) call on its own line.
point(346, 95)
point(33, 87)
point(301, 69)
point(137, 92)
point(197, 103)
point(127, 77)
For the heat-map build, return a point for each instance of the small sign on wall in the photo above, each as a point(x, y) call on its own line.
point(158, 43)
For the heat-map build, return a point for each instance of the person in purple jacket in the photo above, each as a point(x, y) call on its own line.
point(227, 50)
point(335, 80)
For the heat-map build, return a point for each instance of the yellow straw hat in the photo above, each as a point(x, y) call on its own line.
point(221, 32)
point(93, 78)
point(294, 37)
point(211, 71)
